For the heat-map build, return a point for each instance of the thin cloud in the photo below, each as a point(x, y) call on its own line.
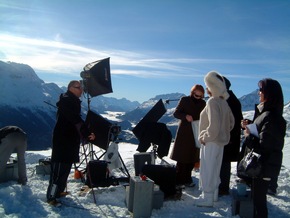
point(221, 61)
point(155, 74)
point(56, 56)
point(16, 5)
point(277, 44)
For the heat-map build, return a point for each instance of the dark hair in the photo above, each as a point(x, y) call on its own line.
point(272, 93)
point(220, 77)
point(228, 83)
point(72, 83)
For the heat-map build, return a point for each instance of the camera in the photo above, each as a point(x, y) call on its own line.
point(115, 129)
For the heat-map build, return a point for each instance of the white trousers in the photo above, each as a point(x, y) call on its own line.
point(211, 156)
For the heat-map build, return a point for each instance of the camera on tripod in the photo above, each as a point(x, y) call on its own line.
point(114, 132)
point(115, 129)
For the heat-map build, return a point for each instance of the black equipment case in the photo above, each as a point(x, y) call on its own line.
point(162, 175)
point(97, 173)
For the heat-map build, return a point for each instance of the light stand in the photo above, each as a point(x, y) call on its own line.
point(154, 151)
point(92, 153)
point(89, 146)
point(97, 81)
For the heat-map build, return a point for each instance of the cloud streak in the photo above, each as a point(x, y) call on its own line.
point(55, 56)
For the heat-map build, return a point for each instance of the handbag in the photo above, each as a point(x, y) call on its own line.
point(250, 165)
point(195, 130)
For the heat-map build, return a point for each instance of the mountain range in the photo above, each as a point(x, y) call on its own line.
point(28, 102)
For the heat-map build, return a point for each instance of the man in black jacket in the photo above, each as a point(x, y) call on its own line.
point(67, 134)
point(231, 150)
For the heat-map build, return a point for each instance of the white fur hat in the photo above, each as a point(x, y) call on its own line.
point(216, 84)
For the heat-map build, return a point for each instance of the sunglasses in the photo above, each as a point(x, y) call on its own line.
point(197, 96)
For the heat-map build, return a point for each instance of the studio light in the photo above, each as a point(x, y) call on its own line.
point(150, 131)
point(101, 127)
point(97, 78)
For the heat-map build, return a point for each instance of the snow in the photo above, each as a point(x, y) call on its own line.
point(18, 201)
point(30, 200)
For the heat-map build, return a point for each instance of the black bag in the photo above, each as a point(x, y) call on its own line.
point(250, 165)
point(162, 175)
point(97, 174)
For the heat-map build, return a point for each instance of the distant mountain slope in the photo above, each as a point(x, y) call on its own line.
point(29, 102)
point(101, 104)
point(170, 101)
point(23, 95)
point(248, 101)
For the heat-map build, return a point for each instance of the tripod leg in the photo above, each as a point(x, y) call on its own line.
point(89, 175)
point(128, 174)
point(162, 160)
point(83, 156)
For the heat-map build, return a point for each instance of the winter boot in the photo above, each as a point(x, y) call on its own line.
point(205, 200)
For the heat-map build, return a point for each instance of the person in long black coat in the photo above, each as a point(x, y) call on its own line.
point(271, 127)
point(67, 133)
point(184, 151)
point(232, 149)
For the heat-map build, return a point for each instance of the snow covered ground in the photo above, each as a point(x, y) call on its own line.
point(30, 200)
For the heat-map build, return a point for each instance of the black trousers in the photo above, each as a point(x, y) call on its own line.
point(259, 191)
point(225, 176)
point(274, 184)
point(183, 173)
point(58, 179)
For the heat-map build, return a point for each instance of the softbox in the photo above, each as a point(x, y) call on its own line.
point(156, 112)
point(97, 77)
point(148, 131)
point(101, 127)
point(158, 134)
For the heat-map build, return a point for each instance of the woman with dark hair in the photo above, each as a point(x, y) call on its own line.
point(271, 127)
point(185, 152)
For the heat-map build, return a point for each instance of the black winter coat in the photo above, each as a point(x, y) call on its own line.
point(271, 127)
point(69, 129)
point(231, 150)
point(184, 149)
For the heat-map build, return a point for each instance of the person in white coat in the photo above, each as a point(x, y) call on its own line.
point(216, 122)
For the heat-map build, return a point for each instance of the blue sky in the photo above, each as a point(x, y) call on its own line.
point(155, 46)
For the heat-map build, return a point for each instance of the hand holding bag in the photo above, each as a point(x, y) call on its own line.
point(195, 130)
point(250, 165)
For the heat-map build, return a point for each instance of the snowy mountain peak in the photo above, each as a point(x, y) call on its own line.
point(248, 101)
point(21, 87)
point(19, 71)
